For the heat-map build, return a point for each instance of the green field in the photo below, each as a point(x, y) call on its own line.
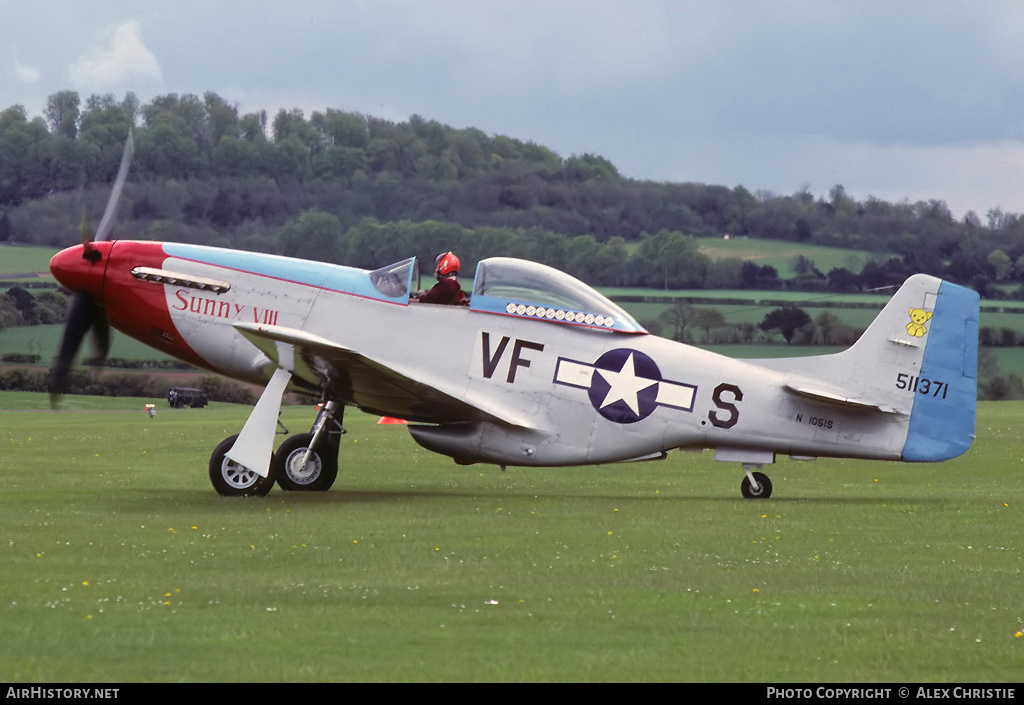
point(782, 254)
point(25, 260)
point(856, 310)
point(44, 341)
point(754, 313)
point(121, 564)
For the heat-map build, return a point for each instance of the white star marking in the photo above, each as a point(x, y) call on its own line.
point(625, 385)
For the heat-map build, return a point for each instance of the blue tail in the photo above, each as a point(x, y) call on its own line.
point(942, 422)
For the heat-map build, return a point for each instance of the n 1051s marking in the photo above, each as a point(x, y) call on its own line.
point(922, 385)
point(819, 421)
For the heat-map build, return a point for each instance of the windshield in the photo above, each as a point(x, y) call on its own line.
point(530, 290)
point(394, 280)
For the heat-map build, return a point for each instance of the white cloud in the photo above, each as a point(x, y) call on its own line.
point(122, 61)
point(26, 74)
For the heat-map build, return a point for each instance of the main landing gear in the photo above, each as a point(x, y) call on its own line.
point(755, 485)
point(309, 461)
point(304, 462)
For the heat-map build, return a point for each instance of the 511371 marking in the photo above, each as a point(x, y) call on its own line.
point(922, 385)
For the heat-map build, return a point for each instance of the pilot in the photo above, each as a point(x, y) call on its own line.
point(447, 289)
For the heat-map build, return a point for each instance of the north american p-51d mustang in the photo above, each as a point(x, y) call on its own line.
point(538, 369)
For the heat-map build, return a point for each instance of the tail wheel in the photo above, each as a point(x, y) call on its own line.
point(764, 487)
point(316, 475)
point(233, 480)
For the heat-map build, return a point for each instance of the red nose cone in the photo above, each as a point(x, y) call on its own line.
point(80, 268)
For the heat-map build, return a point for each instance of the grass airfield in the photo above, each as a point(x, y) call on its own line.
point(121, 563)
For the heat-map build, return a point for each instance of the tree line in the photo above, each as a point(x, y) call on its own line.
point(122, 384)
point(204, 172)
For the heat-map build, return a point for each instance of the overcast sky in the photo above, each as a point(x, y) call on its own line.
point(895, 99)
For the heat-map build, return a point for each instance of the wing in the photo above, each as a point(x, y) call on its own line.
point(372, 385)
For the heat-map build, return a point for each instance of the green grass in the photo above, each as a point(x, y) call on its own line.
point(1010, 360)
point(734, 314)
point(26, 260)
point(44, 341)
point(121, 564)
point(782, 254)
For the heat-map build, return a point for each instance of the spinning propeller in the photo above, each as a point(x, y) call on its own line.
point(86, 311)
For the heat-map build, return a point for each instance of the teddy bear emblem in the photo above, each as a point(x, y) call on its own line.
point(918, 317)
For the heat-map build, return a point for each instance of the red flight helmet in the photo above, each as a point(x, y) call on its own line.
point(447, 265)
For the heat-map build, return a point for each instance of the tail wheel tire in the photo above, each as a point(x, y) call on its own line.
point(233, 480)
point(764, 487)
point(315, 476)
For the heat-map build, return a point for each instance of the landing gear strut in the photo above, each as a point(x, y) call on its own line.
point(755, 485)
point(309, 461)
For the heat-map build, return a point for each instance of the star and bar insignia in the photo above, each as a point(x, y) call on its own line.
point(625, 385)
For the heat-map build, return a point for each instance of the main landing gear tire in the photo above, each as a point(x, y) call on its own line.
point(764, 487)
point(233, 480)
point(316, 476)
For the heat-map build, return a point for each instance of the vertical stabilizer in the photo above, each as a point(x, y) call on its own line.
point(923, 350)
point(942, 422)
point(916, 362)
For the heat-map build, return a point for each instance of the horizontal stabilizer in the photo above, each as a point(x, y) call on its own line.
point(838, 398)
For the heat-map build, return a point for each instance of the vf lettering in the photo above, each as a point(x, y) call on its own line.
point(492, 358)
point(215, 308)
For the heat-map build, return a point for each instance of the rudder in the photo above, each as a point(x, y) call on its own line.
point(942, 422)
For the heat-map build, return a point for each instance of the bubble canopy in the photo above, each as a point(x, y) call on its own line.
point(525, 289)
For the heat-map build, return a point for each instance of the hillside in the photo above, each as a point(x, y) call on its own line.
point(352, 188)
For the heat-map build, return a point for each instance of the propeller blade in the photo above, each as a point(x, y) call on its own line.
point(86, 237)
point(101, 336)
point(85, 312)
point(81, 315)
point(107, 224)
